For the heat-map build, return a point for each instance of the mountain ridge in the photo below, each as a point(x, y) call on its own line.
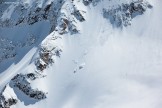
point(68, 38)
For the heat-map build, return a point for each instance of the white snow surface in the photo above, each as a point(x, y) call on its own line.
point(9, 93)
point(120, 68)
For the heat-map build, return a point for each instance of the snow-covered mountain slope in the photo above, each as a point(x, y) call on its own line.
point(80, 54)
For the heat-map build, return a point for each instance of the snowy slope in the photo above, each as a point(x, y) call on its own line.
point(90, 63)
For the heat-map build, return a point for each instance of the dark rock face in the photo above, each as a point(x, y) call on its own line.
point(32, 15)
point(41, 65)
point(88, 2)
point(50, 12)
point(45, 56)
point(7, 103)
point(31, 76)
point(21, 82)
point(65, 25)
point(122, 15)
point(73, 29)
point(78, 15)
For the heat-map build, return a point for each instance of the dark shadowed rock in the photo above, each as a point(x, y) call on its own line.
point(123, 14)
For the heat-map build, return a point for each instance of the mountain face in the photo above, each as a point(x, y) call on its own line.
point(80, 54)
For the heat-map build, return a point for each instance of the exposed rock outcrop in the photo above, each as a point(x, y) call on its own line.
point(6, 103)
point(21, 82)
point(123, 14)
point(31, 15)
point(88, 2)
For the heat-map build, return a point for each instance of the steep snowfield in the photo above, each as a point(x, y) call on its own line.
point(100, 67)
